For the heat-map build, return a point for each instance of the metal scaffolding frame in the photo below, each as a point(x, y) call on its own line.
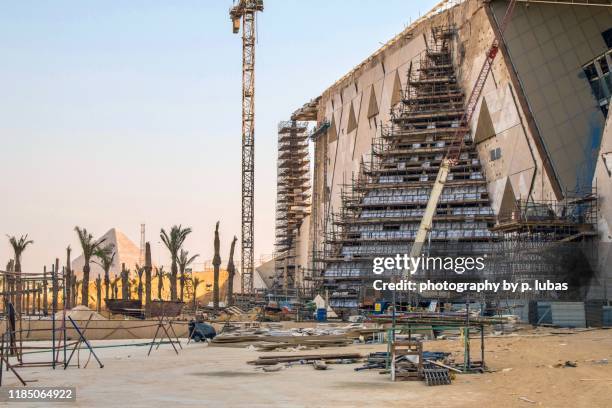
point(383, 204)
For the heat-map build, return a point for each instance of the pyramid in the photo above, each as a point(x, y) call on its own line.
point(125, 252)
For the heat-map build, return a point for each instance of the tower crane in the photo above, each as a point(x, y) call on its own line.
point(245, 11)
point(454, 150)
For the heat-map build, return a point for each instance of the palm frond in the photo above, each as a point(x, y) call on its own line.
point(175, 239)
point(19, 245)
point(88, 244)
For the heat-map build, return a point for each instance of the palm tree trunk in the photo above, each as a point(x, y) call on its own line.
point(140, 286)
point(75, 294)
point(195, 295)
point(55, 285)
point(160, 285)
point(18, 299)
point(173, 274)
point(45, 288)
point(38, 295)
point(34, 294)
point(27, 298)
point(148, 268)
point(231, 272)
point(85, 284)
point(216, 265)
point(124, 283)
point(98, 294)
point(67, 280)
point(182, 283)
point(107, 284)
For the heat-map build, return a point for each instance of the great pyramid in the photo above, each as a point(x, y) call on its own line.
point(126, 252)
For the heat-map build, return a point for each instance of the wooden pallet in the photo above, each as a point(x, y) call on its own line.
point(400, 349)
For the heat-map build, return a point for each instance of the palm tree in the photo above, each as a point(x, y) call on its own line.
point(90, 247)
point(231, 272)
point(139, 270)
point(10, 280)
point(159, 273)
point(98, 283)
point(78, 283)
point(148, 269)
point(195, 282)
point(73, 283)
point(19, 245)
point(133, 286)
point(106, 255)
point(183, 262)
point(125, 283)
point(114, 287)
point(216, 264)
point(174, 241)
point(67, 280)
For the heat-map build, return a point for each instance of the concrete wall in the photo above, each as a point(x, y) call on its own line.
point(603, 181)
point(548, 45)
point(502, 120)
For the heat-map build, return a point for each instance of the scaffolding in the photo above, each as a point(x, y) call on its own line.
point(292, 202)
point(44, 291)
point(383, 204)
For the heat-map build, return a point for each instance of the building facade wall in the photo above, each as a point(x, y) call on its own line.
point(548, 45)
point(603, 182)
point(521, 169)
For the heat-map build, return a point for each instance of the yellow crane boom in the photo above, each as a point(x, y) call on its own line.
point(454, 151)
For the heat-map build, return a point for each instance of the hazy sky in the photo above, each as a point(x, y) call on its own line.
point(116, 113)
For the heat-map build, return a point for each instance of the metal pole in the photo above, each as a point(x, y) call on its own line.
point(64, 295)
point(53, 274)
point(466, 340)
point(482, 347)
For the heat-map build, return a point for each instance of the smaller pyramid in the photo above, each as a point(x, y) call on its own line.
point(125, 252)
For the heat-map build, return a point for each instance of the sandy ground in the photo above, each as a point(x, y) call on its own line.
point(215, 376)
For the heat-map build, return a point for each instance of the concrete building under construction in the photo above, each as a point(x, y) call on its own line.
point(534, 167)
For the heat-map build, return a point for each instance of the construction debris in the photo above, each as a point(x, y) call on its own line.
point(271, 360)
point(406, 360)
point(272, 338)
point(319, 365)
point(436, 375)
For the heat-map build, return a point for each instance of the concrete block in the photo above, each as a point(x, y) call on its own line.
point(542, 33)
point(555, 26)
point(563, 43)
point(543, 75)
point(568, 19)
point(536, 59)
point(550, 93)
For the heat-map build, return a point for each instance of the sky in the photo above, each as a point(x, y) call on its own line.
point(117, 113)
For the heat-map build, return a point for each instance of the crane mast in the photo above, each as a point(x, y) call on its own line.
point(245, 12)
point(454, 150)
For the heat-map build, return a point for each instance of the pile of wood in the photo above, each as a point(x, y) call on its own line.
point(270, 343)
point(271, 338)
point(307, 358)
